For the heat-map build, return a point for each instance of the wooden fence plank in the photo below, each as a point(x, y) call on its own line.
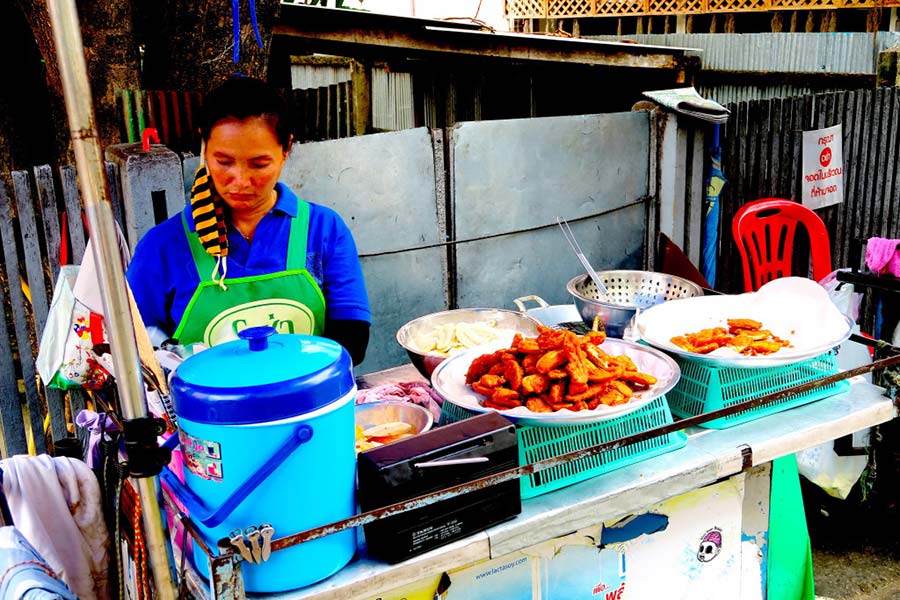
point(892, 190)
point(840, 254)
point(46, 190)
point(51, 227)
point(776, 140)
point(883, 166)
point(115, 193)
point(28, 228)
point(857, 165)
point(10, 403)
point(72, 200)
point(23, 326)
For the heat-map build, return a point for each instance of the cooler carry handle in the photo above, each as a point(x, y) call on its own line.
point(211, 518)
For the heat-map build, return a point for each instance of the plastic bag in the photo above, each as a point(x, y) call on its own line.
point(836, 475)
point(67, 358)
point(821, 465)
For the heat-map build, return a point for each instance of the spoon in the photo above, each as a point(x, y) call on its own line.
point(567, 232)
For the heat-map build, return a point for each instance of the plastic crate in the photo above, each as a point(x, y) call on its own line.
point(539, 443)
point(704, 388)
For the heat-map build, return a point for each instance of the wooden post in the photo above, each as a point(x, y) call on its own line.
point(893, 23)
point(872, 20)
point(729, 23)
point(777, 22)
point(361, 79)
point(681, 23)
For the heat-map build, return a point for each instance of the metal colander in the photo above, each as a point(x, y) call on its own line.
point(627, 291)
point(634, 288)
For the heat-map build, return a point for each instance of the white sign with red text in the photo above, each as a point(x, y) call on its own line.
point(823, 167)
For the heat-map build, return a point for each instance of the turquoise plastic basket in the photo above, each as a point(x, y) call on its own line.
point(703, 388)
point(539, 443)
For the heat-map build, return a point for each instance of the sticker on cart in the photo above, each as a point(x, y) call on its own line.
point(710, 545)
point(202, 458)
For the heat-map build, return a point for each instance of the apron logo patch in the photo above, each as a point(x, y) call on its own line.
point(285, 316)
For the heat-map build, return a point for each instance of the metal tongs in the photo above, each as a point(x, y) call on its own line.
point(567, 232)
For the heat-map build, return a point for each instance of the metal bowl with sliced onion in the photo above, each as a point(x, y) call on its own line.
point(430, 339)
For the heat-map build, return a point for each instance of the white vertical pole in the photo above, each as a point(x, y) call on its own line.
point(95, 193)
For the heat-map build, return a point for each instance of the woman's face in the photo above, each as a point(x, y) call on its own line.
point(245, 161)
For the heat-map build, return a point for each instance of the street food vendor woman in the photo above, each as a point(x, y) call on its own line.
point(247, 251)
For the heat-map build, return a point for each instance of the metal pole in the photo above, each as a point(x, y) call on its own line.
point(95, 192)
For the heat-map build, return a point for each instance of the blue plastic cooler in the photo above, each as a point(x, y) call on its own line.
point(267, 430)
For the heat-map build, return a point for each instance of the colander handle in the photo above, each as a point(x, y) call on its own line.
point(213, 517)
point(520, 302)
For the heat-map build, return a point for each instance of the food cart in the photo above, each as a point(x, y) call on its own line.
point(692, 521)
point(643, 528)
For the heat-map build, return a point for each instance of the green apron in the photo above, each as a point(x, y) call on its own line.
point(290, 300)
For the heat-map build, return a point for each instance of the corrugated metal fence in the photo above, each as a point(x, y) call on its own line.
point(761, 147)
point(320, 113)
point(827, 53)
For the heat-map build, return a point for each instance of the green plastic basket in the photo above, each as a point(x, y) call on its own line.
point(704, 388)
point(539, 443)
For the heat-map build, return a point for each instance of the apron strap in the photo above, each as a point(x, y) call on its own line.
point(203, 261)
point(297, 240)
point(296, 258)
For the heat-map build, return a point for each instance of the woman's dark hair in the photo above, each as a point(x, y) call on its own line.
point(242, 97)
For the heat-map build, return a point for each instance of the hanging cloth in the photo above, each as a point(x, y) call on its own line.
point(208, 212)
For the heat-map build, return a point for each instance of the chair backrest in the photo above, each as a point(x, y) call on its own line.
point(764, 232)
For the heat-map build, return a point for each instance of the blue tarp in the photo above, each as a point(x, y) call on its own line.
point(715, 181)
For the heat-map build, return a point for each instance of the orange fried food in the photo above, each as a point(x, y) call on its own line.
point(734, 324)
point(535, 385)
point(554, 371)
point(744, 336)
point(482, 365)
point(537, 404)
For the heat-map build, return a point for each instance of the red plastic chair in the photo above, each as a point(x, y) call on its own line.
point(764, 232)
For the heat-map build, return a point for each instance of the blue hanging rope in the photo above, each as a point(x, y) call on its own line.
point(236, 27)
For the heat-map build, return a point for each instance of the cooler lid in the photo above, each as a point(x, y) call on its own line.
point(261, 377)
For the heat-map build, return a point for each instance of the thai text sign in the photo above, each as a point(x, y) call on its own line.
point(823, 167)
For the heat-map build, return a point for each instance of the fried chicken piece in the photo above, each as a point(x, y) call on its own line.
point(513, 373)
point(551, 360)
point(535, 384)
point(626, 363)
point(734, 324)
point(704, 337)
point(764, 347)
point(537, 405)
point(482, 365)
point(623, 388)
point(594, 337)
point(527, 346)
point(506, 397)
point(639, 378)
point(491, 381)
point(553, 339)
point(529, 362)
point(591, 392)
point(612, 397)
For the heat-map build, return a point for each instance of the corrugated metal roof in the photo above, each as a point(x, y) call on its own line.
point(849, 52)
point(392, 100)
point(304, 77)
